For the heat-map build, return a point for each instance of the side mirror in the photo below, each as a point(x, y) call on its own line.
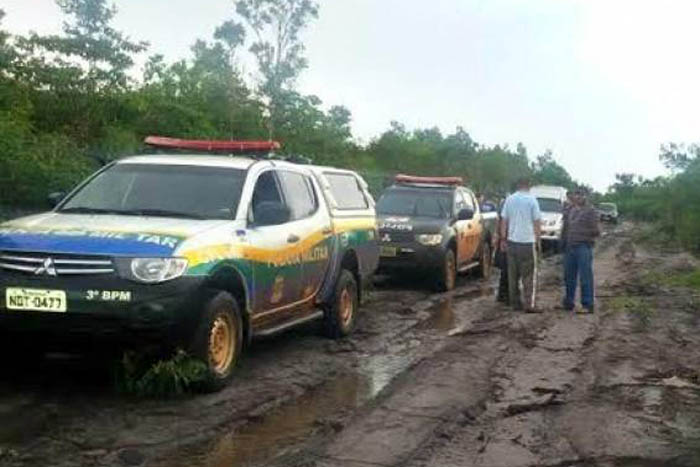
point(488, 207)
point(271, 213)
point(465, 214)
point(56, 197)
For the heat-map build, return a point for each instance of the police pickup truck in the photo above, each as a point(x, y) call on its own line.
point(435, 225)
point(197, 252)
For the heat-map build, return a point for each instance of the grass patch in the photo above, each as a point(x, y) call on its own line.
point(641, 310)
point(686, 279)
point(689, 279)
point(144, 376)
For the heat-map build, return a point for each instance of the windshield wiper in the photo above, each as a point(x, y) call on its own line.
point(161, 213)
point(88, 210)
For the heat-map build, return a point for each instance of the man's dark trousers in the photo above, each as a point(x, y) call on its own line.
point(578, 263)
point(522, 265)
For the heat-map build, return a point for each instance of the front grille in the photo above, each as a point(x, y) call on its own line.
point(394, 236)
point(43, 264)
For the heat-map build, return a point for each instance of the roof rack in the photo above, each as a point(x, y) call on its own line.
point(412, 179)
point(229, 147)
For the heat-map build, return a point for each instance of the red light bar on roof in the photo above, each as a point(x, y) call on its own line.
point(401, 178)
point(212, 146)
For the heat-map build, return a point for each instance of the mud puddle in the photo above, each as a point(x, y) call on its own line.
point(443, 316)
point(287, 428)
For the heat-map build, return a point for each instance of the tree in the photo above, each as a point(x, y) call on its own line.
point(679, 157)
point(278, 49)
point(547, 171)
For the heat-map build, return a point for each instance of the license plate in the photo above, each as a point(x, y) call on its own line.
point(35, 300)
point(388, 251)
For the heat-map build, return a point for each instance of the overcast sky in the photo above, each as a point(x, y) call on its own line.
point(602, 83)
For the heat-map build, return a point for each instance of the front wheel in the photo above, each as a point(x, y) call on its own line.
point(448, 272)
point(218, 341)
point(341, 315)
point(485, 262)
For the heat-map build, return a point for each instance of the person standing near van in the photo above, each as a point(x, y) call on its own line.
point(582, 230)
point(520, 236)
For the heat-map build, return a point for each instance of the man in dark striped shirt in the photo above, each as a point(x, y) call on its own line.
point(581, 231)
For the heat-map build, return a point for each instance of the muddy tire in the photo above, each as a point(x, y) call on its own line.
point(218, 341)
point(340, 317)
point(447, 275)
point(485, 261)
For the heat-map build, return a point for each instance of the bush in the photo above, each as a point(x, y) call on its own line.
point(141, 376)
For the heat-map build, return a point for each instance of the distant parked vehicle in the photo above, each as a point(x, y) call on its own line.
point(608, 212)
point(551, 200)
point(435, 225)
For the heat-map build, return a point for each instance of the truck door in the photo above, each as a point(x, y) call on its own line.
point(462, 229)
point(474, 227)
point(311, 223)
point(272, 251)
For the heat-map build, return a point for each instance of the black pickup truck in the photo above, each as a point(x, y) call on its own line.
point(435, 225)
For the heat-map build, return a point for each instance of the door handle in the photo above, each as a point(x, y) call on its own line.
point(292, 238)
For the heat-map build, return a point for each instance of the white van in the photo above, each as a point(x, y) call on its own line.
point(551, 200)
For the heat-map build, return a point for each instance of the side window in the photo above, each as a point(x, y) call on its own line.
point(460, 203)
point(469, 199)
point(266, 191)
point(299, 193)
point(346, 191)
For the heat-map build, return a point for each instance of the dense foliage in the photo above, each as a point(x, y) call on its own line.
point(672, 203)
point(72, 101)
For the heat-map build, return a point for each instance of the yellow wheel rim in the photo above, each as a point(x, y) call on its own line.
point(346, 307)
point(222, 343)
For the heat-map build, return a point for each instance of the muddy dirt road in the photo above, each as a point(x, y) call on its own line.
point(427, 380)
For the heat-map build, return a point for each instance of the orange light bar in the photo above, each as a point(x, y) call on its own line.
point(212, 146)
point(402, 178)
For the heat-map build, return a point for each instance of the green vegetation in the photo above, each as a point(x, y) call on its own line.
point(688, 279)
point(671, 203)
point(71, 102)
point(140, 375)
point(636, 307)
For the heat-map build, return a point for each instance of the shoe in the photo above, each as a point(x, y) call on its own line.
point(565, 307)
point(584, 311)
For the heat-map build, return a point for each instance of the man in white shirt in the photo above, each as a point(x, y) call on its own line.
point(520, 235)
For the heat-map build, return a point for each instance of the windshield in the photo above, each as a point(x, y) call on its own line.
point(416, 203)
point(161, 190)
point(607, 207)
point(549, 205)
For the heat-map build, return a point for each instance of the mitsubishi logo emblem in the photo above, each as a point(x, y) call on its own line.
point(386, 238)
point(48, 268)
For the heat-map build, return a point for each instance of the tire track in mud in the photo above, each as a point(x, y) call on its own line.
point(378, 361)
point(499, 368)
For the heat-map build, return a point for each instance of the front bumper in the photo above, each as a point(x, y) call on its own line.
point(411, 255)
point(551, 234)
point(608, 218)
point(106, 310)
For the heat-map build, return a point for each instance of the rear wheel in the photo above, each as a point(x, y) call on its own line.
point(448, 272)
point(218, 341)
point(341, 315)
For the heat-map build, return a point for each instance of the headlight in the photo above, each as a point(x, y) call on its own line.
point(155, 270)
point(429, 239)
